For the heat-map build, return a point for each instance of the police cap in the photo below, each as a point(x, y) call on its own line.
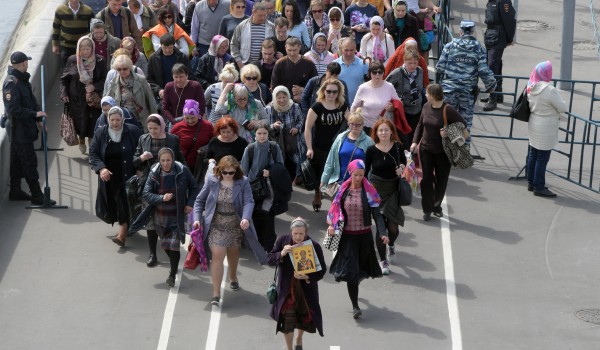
point(466, 24)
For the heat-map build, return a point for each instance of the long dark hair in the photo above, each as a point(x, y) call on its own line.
point(296, 19)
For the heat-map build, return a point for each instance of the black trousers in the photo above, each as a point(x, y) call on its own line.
point(264, 223)
point(23, 164)
point(436, 170)
point(494, 57)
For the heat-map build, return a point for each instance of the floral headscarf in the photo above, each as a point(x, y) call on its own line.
point(213, 48)
point(191, 107)
point(313, 49)
point(335, 43)
point(378, 53)
point(541, 72)
point(335, 214)
point(136, 52)
point(85, 67)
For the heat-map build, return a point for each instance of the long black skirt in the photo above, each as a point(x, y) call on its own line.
point(355, 259)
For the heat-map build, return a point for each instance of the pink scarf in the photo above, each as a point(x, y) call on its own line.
point(378, 53)
point(335, 215)
point(163, 125)
point(541, 72)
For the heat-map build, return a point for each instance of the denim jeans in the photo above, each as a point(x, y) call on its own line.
point(536, 167)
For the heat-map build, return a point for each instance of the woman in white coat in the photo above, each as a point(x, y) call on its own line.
point(546, 106)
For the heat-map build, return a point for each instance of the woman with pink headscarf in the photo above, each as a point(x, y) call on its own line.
point(546, 106)
point(377, 45)
point(146, 155)
point(355, 203)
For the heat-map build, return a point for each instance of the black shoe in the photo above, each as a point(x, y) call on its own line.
point(530, 187)
point(18, 195)
point(490, 105)
point(500, 98)
point(544, 193)
point(234, 285)
point(215, 301)
point(171, 281)
point(426, 216)
point(39, 200)
point(484, 99)
point(438, 212)
point(151, 262)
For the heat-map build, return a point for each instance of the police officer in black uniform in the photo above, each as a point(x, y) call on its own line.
point(24, 114)
point(501, 26)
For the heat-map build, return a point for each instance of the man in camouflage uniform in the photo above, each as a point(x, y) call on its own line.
point(461, 64)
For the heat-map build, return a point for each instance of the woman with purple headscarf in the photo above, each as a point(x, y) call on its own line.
point(546, 106)
point(355, 203)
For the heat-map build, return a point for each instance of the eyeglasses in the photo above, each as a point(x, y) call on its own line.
point(240, 6)
point(168, 17)
point(241, 99)
point(252, 78)
point(335, 19)
point(227, 172)
point(317, 11)
point(377, 72)
point(123, 69)
point(331, 92)
point(355, 125)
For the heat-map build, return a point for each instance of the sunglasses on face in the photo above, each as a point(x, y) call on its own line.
point(317, 11)
point(168, 17)
point(252, 78)
point(377, 72)
point(331, 92)
point(227, 172)
point(240, 6)
point(335, 19)
point(355, 125)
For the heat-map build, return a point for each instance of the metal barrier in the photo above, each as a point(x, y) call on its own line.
point(578, 139)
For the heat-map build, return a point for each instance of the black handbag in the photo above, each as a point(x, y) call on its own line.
point(309, 176)
point(404, 192)
point(520, 110)
point(260, 189)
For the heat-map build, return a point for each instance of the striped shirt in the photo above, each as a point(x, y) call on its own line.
point(258, 36)
point(67, 27)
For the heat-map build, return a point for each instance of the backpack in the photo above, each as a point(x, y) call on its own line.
point(520, 110)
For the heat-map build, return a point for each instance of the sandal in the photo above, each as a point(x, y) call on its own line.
point(118, 241)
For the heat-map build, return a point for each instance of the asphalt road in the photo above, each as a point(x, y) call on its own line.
point(522, 267)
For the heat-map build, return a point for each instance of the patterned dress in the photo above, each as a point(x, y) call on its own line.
point(225, 228)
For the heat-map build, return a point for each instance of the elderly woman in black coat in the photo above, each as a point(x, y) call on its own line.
point(111, 157)
point(83, 75)
point(297, 305)
point(146, 155)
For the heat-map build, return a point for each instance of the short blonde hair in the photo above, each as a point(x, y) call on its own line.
point(356, 117)
point(122, 60)
point(229, 73)
point(250, 69)
point(316, 3)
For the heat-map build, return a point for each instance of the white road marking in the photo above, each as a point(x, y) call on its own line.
point(450, 282)
point(165, 331)
point(334, 347)
point(215, 315)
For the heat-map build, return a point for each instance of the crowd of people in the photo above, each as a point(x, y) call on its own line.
point(205, 116)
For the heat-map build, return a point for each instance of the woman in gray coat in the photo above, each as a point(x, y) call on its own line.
point(224, 209)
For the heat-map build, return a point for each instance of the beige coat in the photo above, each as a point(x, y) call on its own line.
point(142, 94)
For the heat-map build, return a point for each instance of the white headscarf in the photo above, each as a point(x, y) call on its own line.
point(115, 135)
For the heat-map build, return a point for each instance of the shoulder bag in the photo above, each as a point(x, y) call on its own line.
point(520, 110)
point(272, 289)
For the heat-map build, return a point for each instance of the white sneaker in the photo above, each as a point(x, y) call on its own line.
point(385, 267)
point(391, 253)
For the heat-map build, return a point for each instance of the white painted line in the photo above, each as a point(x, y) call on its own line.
point(334, 347)
point(450, 282)
point(215, 314)
point(165, 331)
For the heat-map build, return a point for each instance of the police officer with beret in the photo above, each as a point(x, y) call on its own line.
point(501, 26)
point(24, 113)
point(461, 64)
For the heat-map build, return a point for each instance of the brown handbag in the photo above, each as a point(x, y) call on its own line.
point(93, 99)
point(67, 128)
